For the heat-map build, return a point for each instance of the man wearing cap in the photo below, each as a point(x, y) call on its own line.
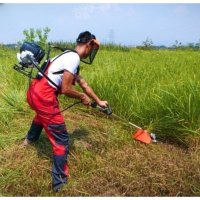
point(63, 70)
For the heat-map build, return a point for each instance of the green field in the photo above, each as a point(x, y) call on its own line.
point(157, 90)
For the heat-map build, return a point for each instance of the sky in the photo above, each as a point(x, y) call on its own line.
point(120, 23)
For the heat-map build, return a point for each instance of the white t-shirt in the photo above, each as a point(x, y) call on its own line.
point(68, 61)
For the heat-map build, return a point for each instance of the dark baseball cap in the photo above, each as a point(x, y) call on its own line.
point(85, 37)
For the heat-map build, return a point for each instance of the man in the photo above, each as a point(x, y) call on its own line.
point(63, 71)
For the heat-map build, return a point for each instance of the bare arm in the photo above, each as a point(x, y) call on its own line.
point(89, 91)
point(67, 88)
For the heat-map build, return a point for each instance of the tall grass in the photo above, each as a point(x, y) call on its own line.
point(158, 90)
point(12, 98)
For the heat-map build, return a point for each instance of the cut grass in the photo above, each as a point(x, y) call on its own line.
point(104, 160)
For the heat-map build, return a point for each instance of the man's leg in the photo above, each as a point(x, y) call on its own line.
point(34, 131)
point(59, 138)
point(60, 142)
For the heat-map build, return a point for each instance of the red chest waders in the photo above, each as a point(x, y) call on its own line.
point(42, 98)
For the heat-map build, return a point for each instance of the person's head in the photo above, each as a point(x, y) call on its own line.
point(87, 46)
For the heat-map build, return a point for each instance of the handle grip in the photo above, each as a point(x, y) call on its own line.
point(107, 110)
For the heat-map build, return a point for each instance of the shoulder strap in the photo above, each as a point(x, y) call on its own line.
point(66, 51)
point(62, 71)
point(46, 66)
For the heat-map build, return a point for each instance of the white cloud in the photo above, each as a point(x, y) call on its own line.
point(87, 11)
point(181, 10)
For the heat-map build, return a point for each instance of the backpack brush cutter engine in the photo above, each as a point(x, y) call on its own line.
point(30, 57)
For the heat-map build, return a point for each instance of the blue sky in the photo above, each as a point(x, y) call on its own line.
point(126, 24)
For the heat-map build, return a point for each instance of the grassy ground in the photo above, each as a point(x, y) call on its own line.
point(158, 90)
point(104, 160)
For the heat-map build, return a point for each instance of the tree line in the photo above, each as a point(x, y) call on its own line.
point(41, 36)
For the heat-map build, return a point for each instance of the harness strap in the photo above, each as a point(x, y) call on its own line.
point(46, 66)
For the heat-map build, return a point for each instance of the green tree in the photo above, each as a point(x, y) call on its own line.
point(190, 45)
point(148, 43)
point(39, 36)
point(177, 44)
point(197, 45)
point(43, 35)
point(30, 35)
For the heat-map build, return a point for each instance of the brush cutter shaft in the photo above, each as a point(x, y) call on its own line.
point(134, 125)
point(126, 121)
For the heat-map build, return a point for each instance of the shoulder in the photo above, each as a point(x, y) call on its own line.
point(67, 55)
point(71, 55)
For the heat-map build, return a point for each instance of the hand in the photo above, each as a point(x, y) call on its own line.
point(95, 43)
point(103, 104)
point(85, 99)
